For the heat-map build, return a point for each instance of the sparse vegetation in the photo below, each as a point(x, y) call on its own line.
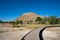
point(34, 20)
point(49, 20)
point(1, 31)
point(43, 21)
point(38, 20)
point(15, 23)
point(21, 22)
point(52, 20)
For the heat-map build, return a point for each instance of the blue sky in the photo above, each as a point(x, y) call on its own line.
point(11, 9)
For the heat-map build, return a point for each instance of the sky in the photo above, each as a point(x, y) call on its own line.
point(11, 9)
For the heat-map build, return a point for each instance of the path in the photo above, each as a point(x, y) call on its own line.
point(42, 34)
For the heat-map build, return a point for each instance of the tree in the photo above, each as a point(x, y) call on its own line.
point(52, 19)
point(58, 19)
point(44, 20)
point(14, 24)
point(30, 21)
point(27, 22)
point(21, 22)
point(39, 20)
point(17, 22)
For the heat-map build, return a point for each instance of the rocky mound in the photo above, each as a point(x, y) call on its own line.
point(28, 16)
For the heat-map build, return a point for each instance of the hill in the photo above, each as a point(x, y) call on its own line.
point(29, 16)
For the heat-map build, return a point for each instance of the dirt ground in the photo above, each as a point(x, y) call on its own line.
point(12, 33)
point(18, 33)
point(52, 33)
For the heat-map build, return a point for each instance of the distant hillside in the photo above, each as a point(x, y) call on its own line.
point(28, 16)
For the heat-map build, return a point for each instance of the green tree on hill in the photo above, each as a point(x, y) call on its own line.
point(29, 22)
point(13, 23)
point(17, 22)
point(52, 19)
point(21, 22)
point(58, 19)
point(44, 20)
point(38, 20)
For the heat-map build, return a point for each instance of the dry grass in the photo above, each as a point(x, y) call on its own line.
point(34, 26)
point(27, 26)
point(2, 31)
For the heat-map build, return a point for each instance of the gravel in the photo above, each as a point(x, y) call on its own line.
point(51, 35)
point(13, 35)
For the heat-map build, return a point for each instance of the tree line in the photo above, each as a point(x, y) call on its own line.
point(39, 20)
point(48, 20)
